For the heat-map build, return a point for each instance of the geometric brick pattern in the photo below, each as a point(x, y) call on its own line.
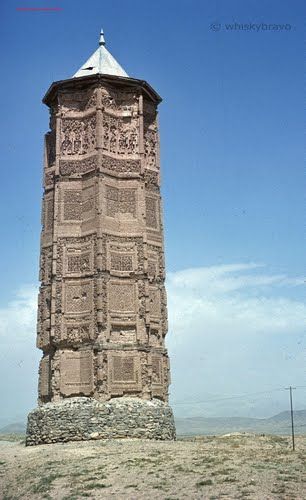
point(102, 316)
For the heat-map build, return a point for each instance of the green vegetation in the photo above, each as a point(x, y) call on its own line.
point(94, 486)
point(45, 483)
point(204, 482)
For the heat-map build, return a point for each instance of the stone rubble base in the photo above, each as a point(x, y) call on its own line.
point(83, 418)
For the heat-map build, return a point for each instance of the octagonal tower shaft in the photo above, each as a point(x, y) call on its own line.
point(102, 316)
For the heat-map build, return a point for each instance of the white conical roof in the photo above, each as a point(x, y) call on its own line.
point(101, 62)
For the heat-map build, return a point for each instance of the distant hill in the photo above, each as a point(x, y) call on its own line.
point(278, 424)
point(17, 428)
point(299, 415)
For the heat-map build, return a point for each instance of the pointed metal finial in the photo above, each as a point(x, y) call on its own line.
point(102, 40)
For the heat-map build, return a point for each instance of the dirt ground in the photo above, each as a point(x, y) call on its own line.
point(232, 466)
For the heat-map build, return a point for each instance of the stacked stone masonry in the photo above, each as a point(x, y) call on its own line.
point(102, 316)
point(81, 418)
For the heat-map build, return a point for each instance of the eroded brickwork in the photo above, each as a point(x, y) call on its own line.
point(102, 316)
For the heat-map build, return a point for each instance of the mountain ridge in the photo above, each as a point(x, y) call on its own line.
point(277, 424)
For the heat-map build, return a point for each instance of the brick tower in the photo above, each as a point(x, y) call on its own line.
point(102, 312)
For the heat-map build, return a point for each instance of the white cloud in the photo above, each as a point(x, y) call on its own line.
point(216, 280)
point(228, 298)
point(234, 329)
point(18, 356)
point(18, 318)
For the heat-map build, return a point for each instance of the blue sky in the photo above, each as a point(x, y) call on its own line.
point(232, 139)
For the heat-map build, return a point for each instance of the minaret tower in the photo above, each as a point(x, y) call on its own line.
point(102, 313)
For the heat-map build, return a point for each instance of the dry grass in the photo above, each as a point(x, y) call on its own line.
point(232, 467)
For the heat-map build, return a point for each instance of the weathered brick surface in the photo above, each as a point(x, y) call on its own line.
point(102, 312)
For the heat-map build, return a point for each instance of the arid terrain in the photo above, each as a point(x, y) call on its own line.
point(234, 466)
